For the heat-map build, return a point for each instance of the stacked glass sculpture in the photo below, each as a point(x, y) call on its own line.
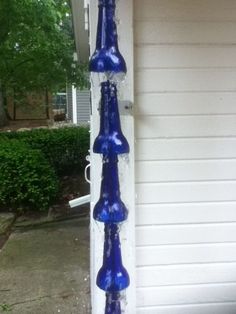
point(110, 142)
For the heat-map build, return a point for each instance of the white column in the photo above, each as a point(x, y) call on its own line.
point(74, 104)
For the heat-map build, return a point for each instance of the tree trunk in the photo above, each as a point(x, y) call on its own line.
point(3, 118)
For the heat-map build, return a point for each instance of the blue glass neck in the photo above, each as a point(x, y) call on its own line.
point(113, 303)
point(110, 187)
point(106, 30)
point(112, 254)
point(110, 118)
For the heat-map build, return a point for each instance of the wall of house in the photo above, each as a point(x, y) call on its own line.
point(83, 104)
point(185, 128)
point(32, 106)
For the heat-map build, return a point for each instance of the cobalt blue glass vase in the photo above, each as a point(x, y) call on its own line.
point(113, 303)
point(107, 58)
point(110, 139)
point(110, 208)
point(112, 277)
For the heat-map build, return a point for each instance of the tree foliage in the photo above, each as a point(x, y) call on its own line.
point(36, 46)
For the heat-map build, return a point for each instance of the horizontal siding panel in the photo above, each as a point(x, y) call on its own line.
point(157, 32)
point(201, 10)
point(185, 80)
point(185, 234)
point(210, 308)
point(177, 149)
point(185, 74)
point(185, 274)
point(185, 213)
point(200, 170)
point(153, 127)
point(184, 56)
point(186, 254)
point(83, 118)
point(149, 193)
point(185, 103)
point(83, 106)
point(186, 295)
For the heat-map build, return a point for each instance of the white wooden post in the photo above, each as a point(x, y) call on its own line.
point(126, 168)
point(74, 105)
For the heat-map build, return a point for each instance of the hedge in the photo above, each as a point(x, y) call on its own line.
point(64, 148)
point(27, 180)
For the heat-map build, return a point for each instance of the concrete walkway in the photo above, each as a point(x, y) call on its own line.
point(45, 269)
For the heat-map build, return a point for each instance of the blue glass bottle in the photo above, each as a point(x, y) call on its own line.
point(112, 277)
point(113, 303)
point(107, 57)
point(110, 139)
point(110, 208)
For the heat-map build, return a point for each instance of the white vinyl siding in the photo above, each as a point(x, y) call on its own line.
point(185, 168)
point(83, 106)
point(82, 103)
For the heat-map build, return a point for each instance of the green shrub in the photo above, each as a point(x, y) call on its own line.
point(26, 178)
point(64, 148)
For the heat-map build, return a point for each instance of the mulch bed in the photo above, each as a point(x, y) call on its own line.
point(71, 187)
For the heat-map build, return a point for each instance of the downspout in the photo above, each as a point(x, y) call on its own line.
point(109, 65)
